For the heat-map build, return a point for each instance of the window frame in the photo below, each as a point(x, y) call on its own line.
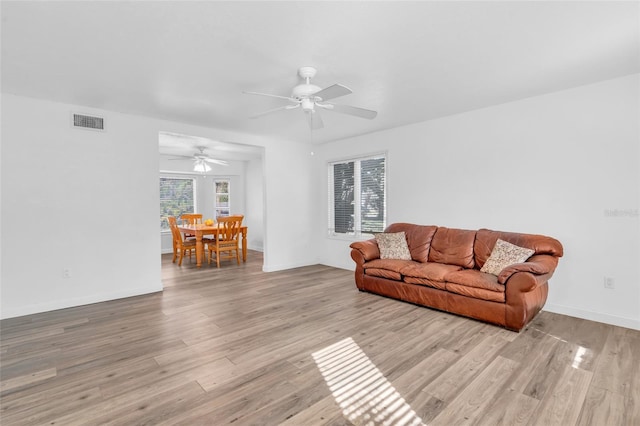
point(195, 194)
point(357, 195)
point(216, 193)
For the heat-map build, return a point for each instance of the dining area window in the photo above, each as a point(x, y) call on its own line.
point(222, 197)
point(177, 197)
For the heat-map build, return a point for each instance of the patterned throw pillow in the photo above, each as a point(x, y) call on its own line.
point(393, 245)
point(505, 254)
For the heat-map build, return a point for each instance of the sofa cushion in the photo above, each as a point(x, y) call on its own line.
point(393, 245)
point(475, 278)
point(505, 254)
point(476, 293)
point(388, 264)
point(453, 247)
point(426, 282)
point(430, 271)
point(418, 238)
point(486, 241)
point(383, 273)
point(476, 284)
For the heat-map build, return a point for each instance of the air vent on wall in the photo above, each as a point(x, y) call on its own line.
point(81, 121)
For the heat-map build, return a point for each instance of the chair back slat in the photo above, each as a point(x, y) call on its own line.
point(230, 227)
point(191, 218)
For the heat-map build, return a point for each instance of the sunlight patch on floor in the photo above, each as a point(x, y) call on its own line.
point(581, 353)
point(363, 393)
point(580, 356)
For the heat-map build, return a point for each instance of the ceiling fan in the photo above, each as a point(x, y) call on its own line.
point(200, 160)
point(308, 96)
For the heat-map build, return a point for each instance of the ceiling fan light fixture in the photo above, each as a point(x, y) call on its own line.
point(307, 105)
point(201, 166)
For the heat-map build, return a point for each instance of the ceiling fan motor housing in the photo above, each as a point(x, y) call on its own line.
point(304, 91)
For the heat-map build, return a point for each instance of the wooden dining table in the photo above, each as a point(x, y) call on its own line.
point(200, 229)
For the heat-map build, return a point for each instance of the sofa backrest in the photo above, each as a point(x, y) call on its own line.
point(453, 246)
point(486, 240)
point(466, 248)
point(418, 238)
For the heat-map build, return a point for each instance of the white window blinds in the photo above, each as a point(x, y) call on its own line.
point(357, 195)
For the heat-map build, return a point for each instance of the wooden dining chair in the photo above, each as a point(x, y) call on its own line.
point(228, 239)
point(191, 219)
point(180, 245)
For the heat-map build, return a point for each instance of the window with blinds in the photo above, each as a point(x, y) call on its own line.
point(177, 196)
point(357, 195)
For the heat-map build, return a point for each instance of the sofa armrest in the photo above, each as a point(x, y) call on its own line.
point(361, 252)
point(368, 249)
point(541, 264)
point(526, 294)
point(524, 282)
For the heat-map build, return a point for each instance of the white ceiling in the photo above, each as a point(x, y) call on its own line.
point(410, 61)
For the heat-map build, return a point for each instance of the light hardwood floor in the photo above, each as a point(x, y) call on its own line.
point(303, 347)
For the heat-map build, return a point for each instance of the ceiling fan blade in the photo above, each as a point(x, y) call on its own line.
point(351, 110)
point(181, 157)
point(314, 120)
point(216, 161)
point(332, 92)
point(274, 110)
point(270, 95)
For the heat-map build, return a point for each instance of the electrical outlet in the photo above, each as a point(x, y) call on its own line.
point(609, 282)
point(66, 273)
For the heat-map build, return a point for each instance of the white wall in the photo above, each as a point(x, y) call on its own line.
point(558, 164)
point(289, 209)
point(78, 200)
point(88, 201)
point(254, 201)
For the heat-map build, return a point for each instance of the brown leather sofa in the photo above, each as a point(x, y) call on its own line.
point(444, 273)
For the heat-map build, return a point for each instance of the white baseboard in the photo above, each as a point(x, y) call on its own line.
point(70, 303)
point(633, 323)
point(348, 266)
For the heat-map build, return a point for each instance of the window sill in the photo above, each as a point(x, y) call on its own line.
point(360, 236)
